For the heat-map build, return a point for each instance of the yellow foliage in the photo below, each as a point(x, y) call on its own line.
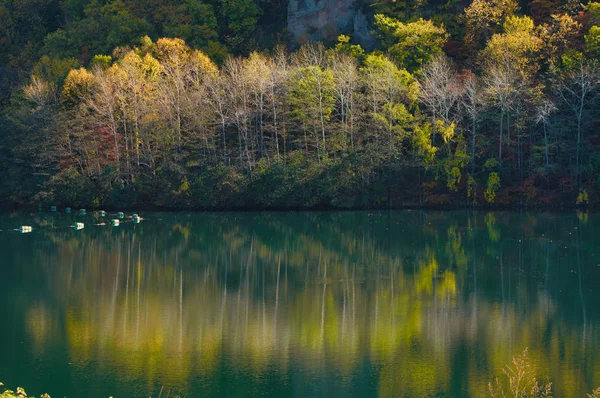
point(493, 184)
point(518, 47)
point(204, 63)
point(172, 48)
point(583, 197)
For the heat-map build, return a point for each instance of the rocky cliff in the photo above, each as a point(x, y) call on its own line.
point(326, 19)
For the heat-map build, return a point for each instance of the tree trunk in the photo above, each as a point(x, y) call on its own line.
point(501, 131)
point(472, 146)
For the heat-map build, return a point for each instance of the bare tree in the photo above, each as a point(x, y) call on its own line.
point(543, 112)
point(104, 104)
point(257, 70)
point(277, 94)
point(503, 83)
point(441, 88)
point(239, 94)
point(574, 89)
point(472, 101)
point(217, 99)
point(345, 74)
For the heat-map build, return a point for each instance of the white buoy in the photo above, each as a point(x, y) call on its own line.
point(68, 210)
point(25, 229)
point(114, 223)
point(82, 212)
point(78, 225)
point(120, 214)
point(102, 213)
point(53, 209)
point(136, 219)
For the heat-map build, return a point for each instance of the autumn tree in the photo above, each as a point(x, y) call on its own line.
point(484, 18)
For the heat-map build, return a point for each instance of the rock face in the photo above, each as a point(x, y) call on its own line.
point(326, 19)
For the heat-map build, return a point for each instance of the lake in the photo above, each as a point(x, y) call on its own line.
point(308, 304)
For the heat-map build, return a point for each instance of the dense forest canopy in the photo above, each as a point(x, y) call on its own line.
point(208, 104)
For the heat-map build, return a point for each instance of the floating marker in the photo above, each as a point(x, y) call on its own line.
point(78, 225)
point(136, 219)
point(68, 210)
point(82, 212)
point(120, 214)
point(114, 223)
point(102, 213)
point(25, 229)
point(53, 209)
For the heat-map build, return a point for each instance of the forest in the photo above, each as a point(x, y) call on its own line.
point(208, 104)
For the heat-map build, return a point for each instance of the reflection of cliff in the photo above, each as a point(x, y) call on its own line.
point(326, 19)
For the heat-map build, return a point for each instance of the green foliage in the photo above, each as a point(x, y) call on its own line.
point(583, 197)
point(593, 8)
point(493, 185)
point(490, 163)
point(238, 21)
point(54, 70)
point(422, 144)
point(472, 189)
point(101, 61)
point(518, 46)
point(571, 59)
point(99, 110)
point(411, 44)
point(485, 17)
point(592, 42)
point(343, 46)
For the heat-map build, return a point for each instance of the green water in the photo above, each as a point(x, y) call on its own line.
point(356, 304)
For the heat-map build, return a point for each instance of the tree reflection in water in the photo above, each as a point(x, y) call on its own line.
point(391, 304)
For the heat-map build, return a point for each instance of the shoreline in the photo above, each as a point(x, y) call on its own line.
point(298, 209)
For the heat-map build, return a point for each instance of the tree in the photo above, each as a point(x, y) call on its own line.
point(259, 69)
point(558, 35)
point(472, 101)
point(544, 110)
point(174, 57)
point(592, 42)
point(484, 18)
point(389, 91)
point(239, 99)
point(217, 97)
point(312, 99)
point(277, 95)
point(510, 64)
point(411, 44)
point(238, 20)
point(518, 46)
point(345, 73)
point(441, 89)
point(574, 87)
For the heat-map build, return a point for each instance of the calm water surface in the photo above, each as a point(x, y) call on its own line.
point(361, 304)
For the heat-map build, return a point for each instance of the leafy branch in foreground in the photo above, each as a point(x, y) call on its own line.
point(522, 382)
point(20, 393)
point(594, 394)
